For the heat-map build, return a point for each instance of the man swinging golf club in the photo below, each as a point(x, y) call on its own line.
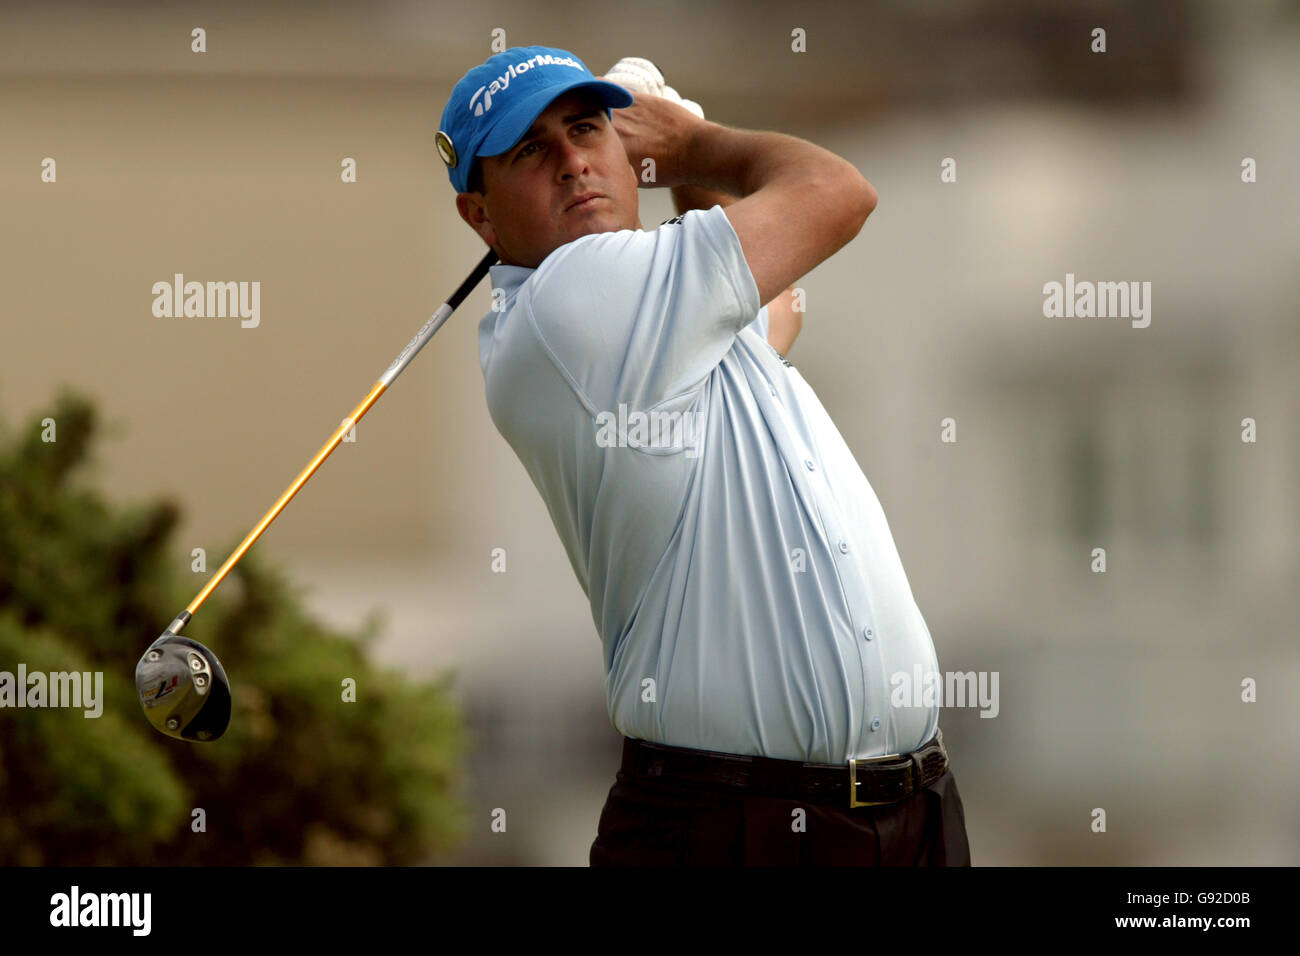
point(742, 577)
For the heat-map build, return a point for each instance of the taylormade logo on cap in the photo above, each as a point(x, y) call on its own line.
point(479, 107)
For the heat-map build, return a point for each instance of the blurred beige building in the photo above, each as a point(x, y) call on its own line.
point(1119, 690)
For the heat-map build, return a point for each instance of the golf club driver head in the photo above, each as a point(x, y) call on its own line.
point(183, 689)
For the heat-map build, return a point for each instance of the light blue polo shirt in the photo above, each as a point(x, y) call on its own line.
point(741, 573)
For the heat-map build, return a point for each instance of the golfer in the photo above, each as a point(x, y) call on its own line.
point(749, 597)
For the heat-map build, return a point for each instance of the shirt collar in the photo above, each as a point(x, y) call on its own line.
point(509, 278)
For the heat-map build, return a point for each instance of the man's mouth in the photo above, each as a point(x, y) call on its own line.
point(585, 201)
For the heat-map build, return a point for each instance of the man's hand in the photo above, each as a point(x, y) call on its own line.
point(639, 75)
point(657, 129)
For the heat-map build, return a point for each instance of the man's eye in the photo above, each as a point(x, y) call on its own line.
point(535, 144)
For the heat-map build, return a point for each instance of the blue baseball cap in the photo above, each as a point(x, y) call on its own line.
point(496, 103)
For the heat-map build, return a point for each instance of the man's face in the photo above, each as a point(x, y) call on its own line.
point(527, 210)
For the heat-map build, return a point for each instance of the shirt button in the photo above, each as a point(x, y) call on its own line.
point(844, 547)
point(773, 390)
point(866, 632)
point(809, 463)
point(875, 723)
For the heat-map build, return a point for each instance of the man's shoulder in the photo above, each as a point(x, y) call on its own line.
point(611, 245)
point(596, 266)
point(620, 252)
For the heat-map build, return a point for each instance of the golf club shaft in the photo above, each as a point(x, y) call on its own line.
point(395, 369)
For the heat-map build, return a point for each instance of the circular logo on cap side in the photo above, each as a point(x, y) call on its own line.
point(446, 149)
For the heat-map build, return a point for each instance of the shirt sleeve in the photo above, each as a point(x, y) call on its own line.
point(641, 317)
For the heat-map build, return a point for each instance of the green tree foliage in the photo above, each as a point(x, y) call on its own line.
point(300, 777)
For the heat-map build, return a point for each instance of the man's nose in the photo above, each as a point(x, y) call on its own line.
point(572, 161)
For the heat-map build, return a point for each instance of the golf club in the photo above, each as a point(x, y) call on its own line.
point(182, 686)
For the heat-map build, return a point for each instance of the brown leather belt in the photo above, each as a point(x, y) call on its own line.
point(863, 782)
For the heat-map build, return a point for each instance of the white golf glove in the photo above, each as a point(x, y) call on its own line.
point(641, 76)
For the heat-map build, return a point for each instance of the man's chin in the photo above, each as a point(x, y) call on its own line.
point(595, 224)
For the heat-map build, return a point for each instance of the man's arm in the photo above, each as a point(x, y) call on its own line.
point(800, 203)
point(783, 322)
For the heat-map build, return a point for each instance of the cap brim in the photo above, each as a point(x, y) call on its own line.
point(505, 135)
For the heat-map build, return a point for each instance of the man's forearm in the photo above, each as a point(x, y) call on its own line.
point(783, 322)
point(738, 162)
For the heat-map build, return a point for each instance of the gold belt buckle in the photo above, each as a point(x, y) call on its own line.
point(853, 780)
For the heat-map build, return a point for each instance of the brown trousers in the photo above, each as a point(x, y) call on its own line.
point(670, 823)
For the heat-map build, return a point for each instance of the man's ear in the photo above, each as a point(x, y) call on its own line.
point(473, 211)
